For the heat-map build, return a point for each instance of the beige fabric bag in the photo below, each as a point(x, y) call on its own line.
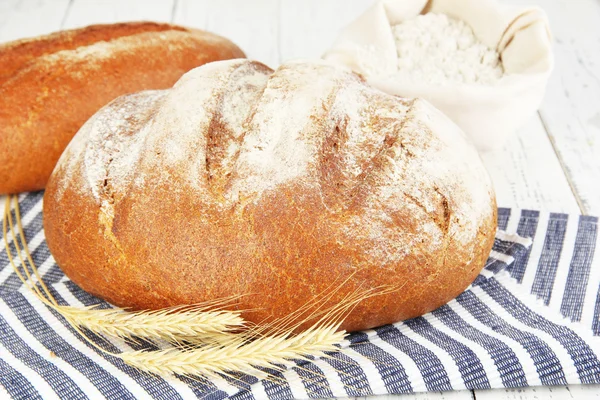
point(488, 114)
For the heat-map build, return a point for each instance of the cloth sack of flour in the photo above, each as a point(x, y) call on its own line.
point(487, 113)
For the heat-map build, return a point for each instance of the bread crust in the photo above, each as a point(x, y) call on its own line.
point(49, 86)
point(372, 190)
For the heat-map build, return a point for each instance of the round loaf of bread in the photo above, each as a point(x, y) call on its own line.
point(273, 185)
point(51, 85)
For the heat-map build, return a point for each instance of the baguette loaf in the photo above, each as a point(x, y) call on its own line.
point(49, 86)
point(276, 185)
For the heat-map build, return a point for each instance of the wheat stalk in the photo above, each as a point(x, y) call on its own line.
point(242, 357)
point(160, 324)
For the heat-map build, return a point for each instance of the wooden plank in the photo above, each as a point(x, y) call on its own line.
point(457, 395)
point(527, 174)
point(191, 13)
point(87, 12)
point(7, 8)
point(587, 392)
point(252, 25)
point(25, 18)
point(577, 392)
point(309, 27)
point(543, 392)
point(571, 110)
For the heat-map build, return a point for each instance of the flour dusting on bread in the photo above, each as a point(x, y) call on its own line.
point(246, 130)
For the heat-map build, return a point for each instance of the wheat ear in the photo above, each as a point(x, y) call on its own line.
point(248, 351)
point(262, 352)
point(161, 324)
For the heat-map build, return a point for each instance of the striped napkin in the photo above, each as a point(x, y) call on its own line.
point(530, 318)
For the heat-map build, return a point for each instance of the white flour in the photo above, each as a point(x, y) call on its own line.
point(437, 49)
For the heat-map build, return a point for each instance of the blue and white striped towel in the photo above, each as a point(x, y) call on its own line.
point(496, 334)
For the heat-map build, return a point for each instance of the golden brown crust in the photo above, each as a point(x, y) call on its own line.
point(387, 193)
point(49, 86)
point(14, 55)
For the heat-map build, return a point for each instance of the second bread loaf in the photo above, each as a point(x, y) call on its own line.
point(49, 86)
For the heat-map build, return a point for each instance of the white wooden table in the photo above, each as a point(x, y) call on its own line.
point(553, 163)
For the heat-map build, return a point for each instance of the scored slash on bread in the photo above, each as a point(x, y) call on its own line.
point(271, 185)
point(50, 85)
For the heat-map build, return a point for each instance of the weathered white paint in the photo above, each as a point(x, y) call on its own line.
point(252, 25)
point(87, 12)
point(571, 110)
point(25, 18)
